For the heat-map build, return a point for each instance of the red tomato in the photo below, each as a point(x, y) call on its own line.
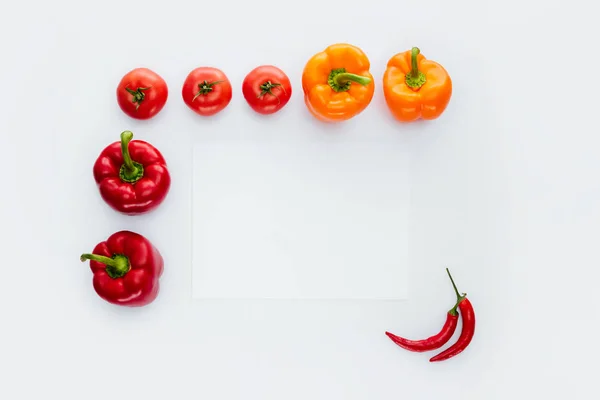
point(142, 93)
point(206, 90)
point(267, 89)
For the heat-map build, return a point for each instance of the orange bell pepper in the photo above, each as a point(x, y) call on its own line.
point(337, 83)
point(415, 87)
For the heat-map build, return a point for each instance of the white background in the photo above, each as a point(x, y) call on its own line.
point(301, 216)
point(505, 191)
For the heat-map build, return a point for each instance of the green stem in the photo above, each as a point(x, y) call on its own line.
point(205, 88)
point(116, 267)
point(344, 77)
point(126, 137)
point(414, 72)
point(340, 80)
point(138, 96)
point(459, 297)
point(415, 78)
point(267, 88)
point(131, 171)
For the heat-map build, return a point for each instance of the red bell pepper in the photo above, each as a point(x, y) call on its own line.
point(132, 176)
point(126, 268)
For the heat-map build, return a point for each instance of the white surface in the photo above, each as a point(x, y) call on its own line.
point(505, 190)
point(300, 219)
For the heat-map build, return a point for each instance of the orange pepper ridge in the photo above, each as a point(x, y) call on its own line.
point(337, 83)
point(416, 88)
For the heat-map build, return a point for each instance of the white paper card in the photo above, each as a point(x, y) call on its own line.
point(300, 220)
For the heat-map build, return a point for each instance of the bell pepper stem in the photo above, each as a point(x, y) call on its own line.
point(414, 72)
point(126, 137)
point(101, 259)
point(415, 78)
point(344, 77)
point(131, 171)
point(459, 297)
point(116, 266)
point(339, 80)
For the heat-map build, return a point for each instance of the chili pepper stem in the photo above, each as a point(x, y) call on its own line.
point(131, 171)
point(459, 297)
point(340, 80)
point(116, 267)
point(415, 78)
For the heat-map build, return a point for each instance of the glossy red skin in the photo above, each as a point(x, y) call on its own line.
point(468, 330)
point(431, 343)
point(132, 198)
point(210, 103)
point(140, 285)
point(155, 97)
point(266, 104)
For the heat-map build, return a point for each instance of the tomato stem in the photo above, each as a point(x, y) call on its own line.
point(267, 88)
point(138, 96)
point(415, 78)
point(205, 88)
point(131, 171)
point(116, 266)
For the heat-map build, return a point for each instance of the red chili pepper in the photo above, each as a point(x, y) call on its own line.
point(132, 176)
point(126, 268)
point(468, 329)
point(436, 341)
